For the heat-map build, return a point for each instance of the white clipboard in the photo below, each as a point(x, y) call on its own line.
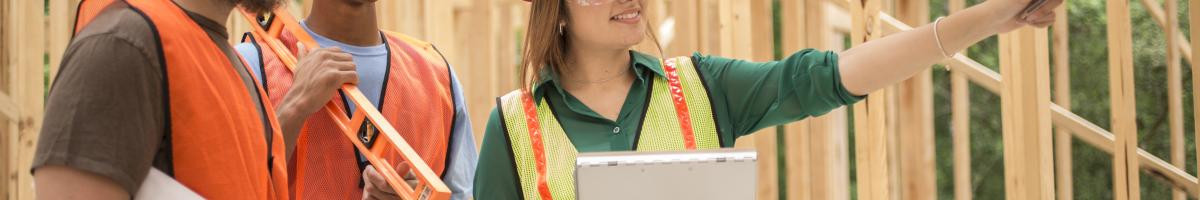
point(694, 175)
point(158, 185)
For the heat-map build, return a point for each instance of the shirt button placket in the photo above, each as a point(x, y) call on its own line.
point(616, 130)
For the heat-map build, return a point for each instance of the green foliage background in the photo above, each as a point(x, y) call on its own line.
point(1088, 46)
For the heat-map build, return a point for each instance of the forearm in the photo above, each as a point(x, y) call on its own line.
point(890, 59)
point(291, 120)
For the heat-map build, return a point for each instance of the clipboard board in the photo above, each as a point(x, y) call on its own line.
point(694, 175)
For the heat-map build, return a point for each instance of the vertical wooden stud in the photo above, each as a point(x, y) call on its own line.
point(794, 35)
point(475, 73)
point(915, 121)
point(1156, 12)
point(960, 101)
point(8, 122)
point(25, 30)
point(1025, 101)
point(961, 135)
point(1125, 167)
point(1194, 16)
point(61, 27)
point(1062, 97)
point(871, 139)
point(817, 147)
point(1174, 91)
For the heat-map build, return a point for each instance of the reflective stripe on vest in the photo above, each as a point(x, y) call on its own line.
point(679, 117)
point(215, 126)
point(416, 98)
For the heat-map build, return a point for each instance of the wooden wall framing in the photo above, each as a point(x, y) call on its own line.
point(481, 40)
point(23, 40)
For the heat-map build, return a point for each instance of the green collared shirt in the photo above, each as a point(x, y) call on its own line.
point(747, 96)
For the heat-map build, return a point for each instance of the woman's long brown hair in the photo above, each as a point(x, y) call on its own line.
point(545, 47)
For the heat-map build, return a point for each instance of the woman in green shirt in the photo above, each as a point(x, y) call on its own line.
point(587, 91)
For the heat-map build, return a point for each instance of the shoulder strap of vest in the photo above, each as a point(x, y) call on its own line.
point(677, 98)
point(407, 39)
point(679, 112)
point(420, 56)
point(521, 112)
point(415, 47)
point(87, 11)
point(704, 121)
point(543, 155)
point(249, 38)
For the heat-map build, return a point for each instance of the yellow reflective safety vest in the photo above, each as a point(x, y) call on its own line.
point(678, 117)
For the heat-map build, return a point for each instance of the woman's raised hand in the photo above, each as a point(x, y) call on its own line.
point(1041, 15)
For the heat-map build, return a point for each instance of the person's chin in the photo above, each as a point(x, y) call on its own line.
point(634, 38)
point(258, 6)
point(630, 43)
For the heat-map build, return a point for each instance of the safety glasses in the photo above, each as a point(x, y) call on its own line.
point(582, 2)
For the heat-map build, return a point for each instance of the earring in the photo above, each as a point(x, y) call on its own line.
point(560, 28)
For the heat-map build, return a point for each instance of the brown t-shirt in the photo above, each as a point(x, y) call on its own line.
point(106, 112)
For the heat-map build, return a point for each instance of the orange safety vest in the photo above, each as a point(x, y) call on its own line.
point(215, 129)
point(416, 99)
point(678, 117)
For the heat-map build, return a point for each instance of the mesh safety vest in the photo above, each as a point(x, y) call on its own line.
point(416, 99)
point(215, 129)
point(678, 117)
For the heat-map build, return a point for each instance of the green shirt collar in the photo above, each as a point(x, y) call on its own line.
point(641, 63)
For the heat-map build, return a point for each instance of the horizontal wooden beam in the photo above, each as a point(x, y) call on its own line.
point(1103, 140)
point(844, 4)
point(836, 17)
point(1163, 169)
point(892, 25)
point(1081, 128)
point(977, 73)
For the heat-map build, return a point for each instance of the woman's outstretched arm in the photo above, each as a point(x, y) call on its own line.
point(882, 62)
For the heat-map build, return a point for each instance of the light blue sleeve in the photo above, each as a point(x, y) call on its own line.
point(250, 53)
point(460, 173)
